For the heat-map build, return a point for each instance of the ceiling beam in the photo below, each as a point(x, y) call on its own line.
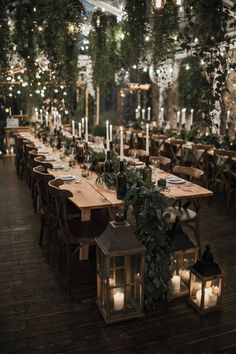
point(107, 7)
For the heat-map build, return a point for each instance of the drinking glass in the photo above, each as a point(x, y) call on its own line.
point(88, 160)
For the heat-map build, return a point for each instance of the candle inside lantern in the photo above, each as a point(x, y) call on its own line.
point(175, 283)
point(121, 144)
point(80, 132)
point(210, 299)
point(149, 114)
point(73, 127)
point(86, 129)
point(110, 132)
point(147, 139)
point(119, 301)
point(185, 275)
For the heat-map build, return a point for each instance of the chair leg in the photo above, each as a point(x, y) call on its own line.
point(68, 268)
point(41, 232)
point(48, 243)
point(60, 255)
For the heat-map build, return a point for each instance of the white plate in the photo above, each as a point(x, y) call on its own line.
point(58, 167)
point(66, 177)
point(175, 180)
point(50, 159)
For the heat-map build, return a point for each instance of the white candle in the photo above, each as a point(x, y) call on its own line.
point(147, 139)
point(110, 132)
point(143, 113)
point(41, 116)
point(119, 301)
point(212, 300)
point(73, 127)
point(183, 116)
point(149, 114)
point(178, 117)
point(185, 275)
point(207, 293)
point(21, 113)
point(57, 125)
point(161, 118)
point(107, 135)
point(228, 116)
point(175, 283)
point(137, 113)
point(46, 119)
point(36, 116)
point(82, 121)
point(121, 144)
point(80, 132)
point(86, 129)
point(10, 111)
point(191, 118)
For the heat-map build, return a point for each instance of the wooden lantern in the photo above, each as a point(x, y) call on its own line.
point(120, 263)
point(205, 284)
point(183, 256)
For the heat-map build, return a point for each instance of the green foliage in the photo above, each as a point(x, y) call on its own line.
point(4, 36)
point(104, 48)
point(190, 83)
point(134, 30)
point(164, 28)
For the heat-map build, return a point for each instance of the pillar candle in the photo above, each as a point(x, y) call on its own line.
point(10, 111)
point(21, 113)
point(121, 144)
point(80, 132)
point(183, 116)
point(82, 121)
point(143, 113)
point(110, 132)
point(86, 129)
point(149, 114)
point(136, 113)
point(107, 135)
point(73, 127)
point(175, 283)
point(147, 139)
point(228, 115)
point(178, 117)
point(119, 301)
point(59, 120)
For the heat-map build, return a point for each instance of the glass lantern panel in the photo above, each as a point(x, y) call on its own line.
point(133, 297)
point(212, 293)
point(196, 290)
point(116, 262)
point(185, 261)
point(117, 277)
point(135, 267)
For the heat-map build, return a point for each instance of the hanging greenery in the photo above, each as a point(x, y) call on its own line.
point(4, 36)
point(104, 48)
point(190, 83)
point(134, 31)
point(207, 28)
point(164, 33)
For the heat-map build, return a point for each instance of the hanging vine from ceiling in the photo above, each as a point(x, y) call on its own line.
point(4, 36)
point(164, 33)
point(104, 48)
point(134, 30)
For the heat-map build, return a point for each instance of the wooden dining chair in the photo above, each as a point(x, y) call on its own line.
point(74, 233)
point(165, 162)
point(186, 210)
point(157, 144)
point(173, 150)
point(40, 160)
point(19, 154)
point(200, 156)
point(225, 173)
point(137, 153)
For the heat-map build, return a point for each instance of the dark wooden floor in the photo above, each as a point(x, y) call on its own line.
point(36, 315)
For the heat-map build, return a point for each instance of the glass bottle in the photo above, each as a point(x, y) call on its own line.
point(121, 182)
point(147, 171)
point(108, 166)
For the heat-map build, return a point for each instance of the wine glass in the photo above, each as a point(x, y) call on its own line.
point(72, 156)
point(88, 160)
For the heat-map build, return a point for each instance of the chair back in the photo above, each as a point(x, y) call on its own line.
point(42, 178)
point(173, 149)
point(200, 155)
point(190, 173)
point(165, 162)
point(157, 143)
point(39, 160)
point(60, 196)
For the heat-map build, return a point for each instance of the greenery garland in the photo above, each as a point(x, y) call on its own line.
point(164, 29)
point(4, 36)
